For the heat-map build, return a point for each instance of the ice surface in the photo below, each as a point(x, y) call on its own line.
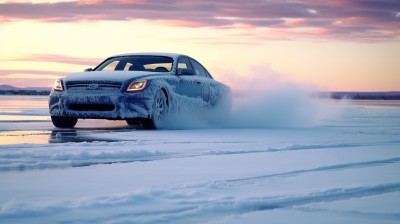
point(339, 167)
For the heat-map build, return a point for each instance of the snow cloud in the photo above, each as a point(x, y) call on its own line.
point(264, 99)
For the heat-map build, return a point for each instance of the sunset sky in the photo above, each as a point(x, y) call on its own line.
point(341, 45)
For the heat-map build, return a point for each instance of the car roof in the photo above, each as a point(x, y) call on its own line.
point(172, 55)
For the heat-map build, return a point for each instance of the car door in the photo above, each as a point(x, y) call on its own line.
point(189, 84)
point(203, 79)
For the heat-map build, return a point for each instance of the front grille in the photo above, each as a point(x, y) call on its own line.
point(93, 85)
point(92, 107)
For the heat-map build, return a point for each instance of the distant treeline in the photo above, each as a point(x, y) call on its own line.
point(25, 92)
point(333, 95)
point(366, 95)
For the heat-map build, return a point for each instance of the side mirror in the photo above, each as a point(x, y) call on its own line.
point(185, 71)
point(88, 70)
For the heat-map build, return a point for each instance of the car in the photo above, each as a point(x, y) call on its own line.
point(145, 89)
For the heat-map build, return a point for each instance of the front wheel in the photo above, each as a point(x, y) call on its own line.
point(159, 112)
point(64, 122)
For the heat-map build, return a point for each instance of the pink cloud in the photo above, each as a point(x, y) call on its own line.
point(29, 78)
point(358, 16)
point(41, 78)
point(57, 59)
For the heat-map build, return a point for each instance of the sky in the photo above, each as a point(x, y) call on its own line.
point(341, 45)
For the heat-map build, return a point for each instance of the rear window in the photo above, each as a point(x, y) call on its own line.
point(137, 63)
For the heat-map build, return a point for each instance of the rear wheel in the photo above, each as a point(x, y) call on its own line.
point(133, 121)
point(137, 123)
point(159, 112)
point(64, 122)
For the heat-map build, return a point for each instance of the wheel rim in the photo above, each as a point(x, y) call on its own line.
point(159, 109)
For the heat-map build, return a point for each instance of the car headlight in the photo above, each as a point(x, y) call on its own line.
point(58, 85)
point(137, 86)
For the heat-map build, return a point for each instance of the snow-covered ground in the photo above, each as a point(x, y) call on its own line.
point(344, 168)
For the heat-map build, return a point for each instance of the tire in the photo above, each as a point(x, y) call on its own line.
point(132, 121)
point(159, 112)
point(64, 122)
point(137, 123)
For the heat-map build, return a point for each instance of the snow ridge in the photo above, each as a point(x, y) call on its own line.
point(135, 208)
point(23, 157)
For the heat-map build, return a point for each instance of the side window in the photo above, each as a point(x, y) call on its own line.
point(184, 63)
point(127, 66)
point(198, 69)
point(111, 66)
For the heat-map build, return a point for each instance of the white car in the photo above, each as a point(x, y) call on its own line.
point(141, 88)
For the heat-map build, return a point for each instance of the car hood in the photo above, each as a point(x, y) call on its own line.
point(110, 75)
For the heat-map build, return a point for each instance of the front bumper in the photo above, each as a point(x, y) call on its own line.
point(101, 105)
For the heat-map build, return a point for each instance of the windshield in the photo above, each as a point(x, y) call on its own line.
point(137, 63)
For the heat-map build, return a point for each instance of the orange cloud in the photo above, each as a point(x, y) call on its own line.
point(89, 2)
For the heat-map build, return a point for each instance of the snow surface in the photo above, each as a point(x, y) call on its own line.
point(339, 164)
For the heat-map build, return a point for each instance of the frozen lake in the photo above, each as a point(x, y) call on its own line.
point(342, 168)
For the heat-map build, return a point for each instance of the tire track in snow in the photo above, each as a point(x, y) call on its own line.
point(318, 169)
point(373, 215)
point(176, 155)
point(188, 208)
point(87, 153)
